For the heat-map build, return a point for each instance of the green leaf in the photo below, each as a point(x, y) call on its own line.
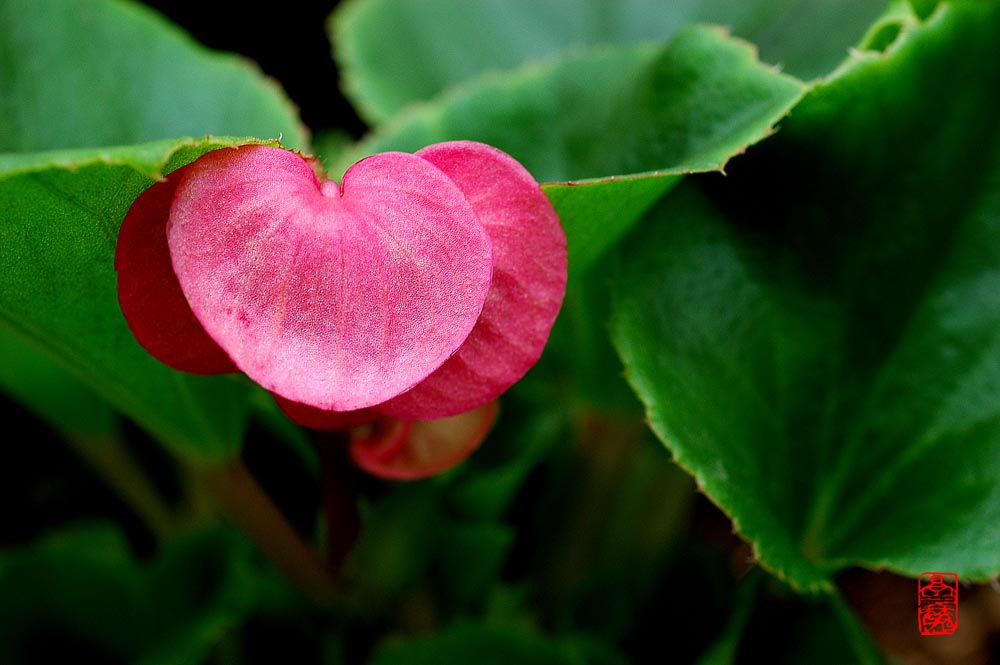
point(396, 52)
point(487, 484)
point(817, 336)
point(81, 591)
point(488, 645)
point(103, 73)
point(603, 212)
point(687, 106)
point(106, 72)
point(865, 649)
point(75, 591)
point(206, 584)
point(60, 215)
point(398, 535)
point(470, 557)
point(52, 394)
point(87, 423)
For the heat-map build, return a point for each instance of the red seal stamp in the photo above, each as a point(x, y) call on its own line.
point(937, 603)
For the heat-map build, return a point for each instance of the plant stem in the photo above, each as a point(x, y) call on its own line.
point(109, 459)
point(340, 503)
point(858, 637)
point(254, 512)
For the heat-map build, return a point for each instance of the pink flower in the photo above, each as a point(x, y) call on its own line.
point(419, 289)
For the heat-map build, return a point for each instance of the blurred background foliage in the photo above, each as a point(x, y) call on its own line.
point(572, 536)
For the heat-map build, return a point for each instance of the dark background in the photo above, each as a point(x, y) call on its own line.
point(288, 41)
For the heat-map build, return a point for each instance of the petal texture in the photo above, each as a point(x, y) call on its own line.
point(529, 281)
point(336, 297)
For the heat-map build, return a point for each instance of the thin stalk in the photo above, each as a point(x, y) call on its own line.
point(340, 502)
point(858, 637)
point(109, 459)
point(246, 504)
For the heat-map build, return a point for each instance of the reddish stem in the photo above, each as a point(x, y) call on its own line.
point(253, 510)
point(340, 500)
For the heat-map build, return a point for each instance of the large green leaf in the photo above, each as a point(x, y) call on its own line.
point(395, 52)
point(817, 336)
point(96, 73)
point(59, 219)
point(660, 111)
point(688, 105)
point(105, 72)
point(80, 593)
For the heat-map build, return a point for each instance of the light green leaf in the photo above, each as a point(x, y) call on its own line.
point(396, 52)
point(661, 111)
point(107, 72)
point(817, 336)
point(59, 219)
point(687, 106)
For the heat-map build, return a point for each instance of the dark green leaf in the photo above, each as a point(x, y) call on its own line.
point(397, 538)
point(80, 593)
point(820, 630)
point(470, 557)
point(76, 592)
point(493, 645)
point(817, 336)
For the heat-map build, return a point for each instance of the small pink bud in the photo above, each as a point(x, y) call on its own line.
point(410, 450)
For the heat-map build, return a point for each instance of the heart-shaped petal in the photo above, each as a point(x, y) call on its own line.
point(150, 296)
point(529, 281)
point(338, 297)
point(397, 449)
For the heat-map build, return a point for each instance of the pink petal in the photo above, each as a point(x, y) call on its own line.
point(409, 450)
point(324, 420)
point(335, 297)
point(150, 296)
point(529, 281)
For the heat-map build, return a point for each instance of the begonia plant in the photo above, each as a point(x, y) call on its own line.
point(710, 289)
